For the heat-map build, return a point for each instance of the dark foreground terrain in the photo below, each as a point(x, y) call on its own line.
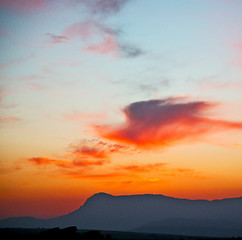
point(74, 233)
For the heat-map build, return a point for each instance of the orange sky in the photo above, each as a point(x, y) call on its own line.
point(122, 97)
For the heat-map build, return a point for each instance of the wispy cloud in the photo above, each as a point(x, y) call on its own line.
point(89, 152)
point(77, 116)
point(141, 168)
point(9, 119)
point(165, 122)
point(87, 29)
point(216, 82)
point(43, 161)
point(130, 51)
point(237, 61)
point(16, 61)
point(218, 85)
point(54, 39)
point(4, 92)
point(95, 28)
point(97, 149)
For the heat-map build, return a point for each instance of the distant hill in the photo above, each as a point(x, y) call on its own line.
point(148, 213)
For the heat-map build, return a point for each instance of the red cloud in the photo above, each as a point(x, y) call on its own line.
point(65, 163)
point(143, 168)
point(166, 122)
point(47, 161)
point(95, 149)
point(85, 151)
point(86, 154)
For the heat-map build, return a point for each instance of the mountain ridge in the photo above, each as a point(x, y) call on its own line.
point(146, 211)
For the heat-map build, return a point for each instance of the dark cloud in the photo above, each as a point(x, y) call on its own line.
point(130, 51)
point(164, 122)
point(57, 39)
point(154, 87)
point(104, 7)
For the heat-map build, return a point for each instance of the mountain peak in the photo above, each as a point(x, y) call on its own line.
point(97, 197)
point(101, 194)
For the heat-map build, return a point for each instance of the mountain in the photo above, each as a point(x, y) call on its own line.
point(148, 213)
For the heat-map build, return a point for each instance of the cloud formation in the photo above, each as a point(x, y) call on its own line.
point(130, 51)
point(135, 168)
point(96, 149)
point(86, 154)
point(86, 29)
point(104, 7)
point(9, 119)
point(23, 5)
point(99, 37)
point(108, 45)
point(165, 122)
point(43, 161)
point(57, 39)
point(81, 116)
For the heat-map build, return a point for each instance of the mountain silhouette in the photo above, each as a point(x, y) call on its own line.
point(147, 213)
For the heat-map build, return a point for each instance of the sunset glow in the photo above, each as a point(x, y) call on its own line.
point(118, 96)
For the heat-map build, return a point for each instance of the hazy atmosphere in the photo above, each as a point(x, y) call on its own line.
point(118, 96)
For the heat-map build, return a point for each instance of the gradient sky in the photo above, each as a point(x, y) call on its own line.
point(119, 96)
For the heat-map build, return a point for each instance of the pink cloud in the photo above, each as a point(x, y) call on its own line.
point(237, 62)
point(108, 45)
point(24, 5)
point(238, 46)
point(36, 87)
point(217, 85)
point(9, 119)
point(84, 30)
point(16, 61)
point(5, 92)
point(88, 31)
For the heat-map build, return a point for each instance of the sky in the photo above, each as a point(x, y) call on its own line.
point(118, 96)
